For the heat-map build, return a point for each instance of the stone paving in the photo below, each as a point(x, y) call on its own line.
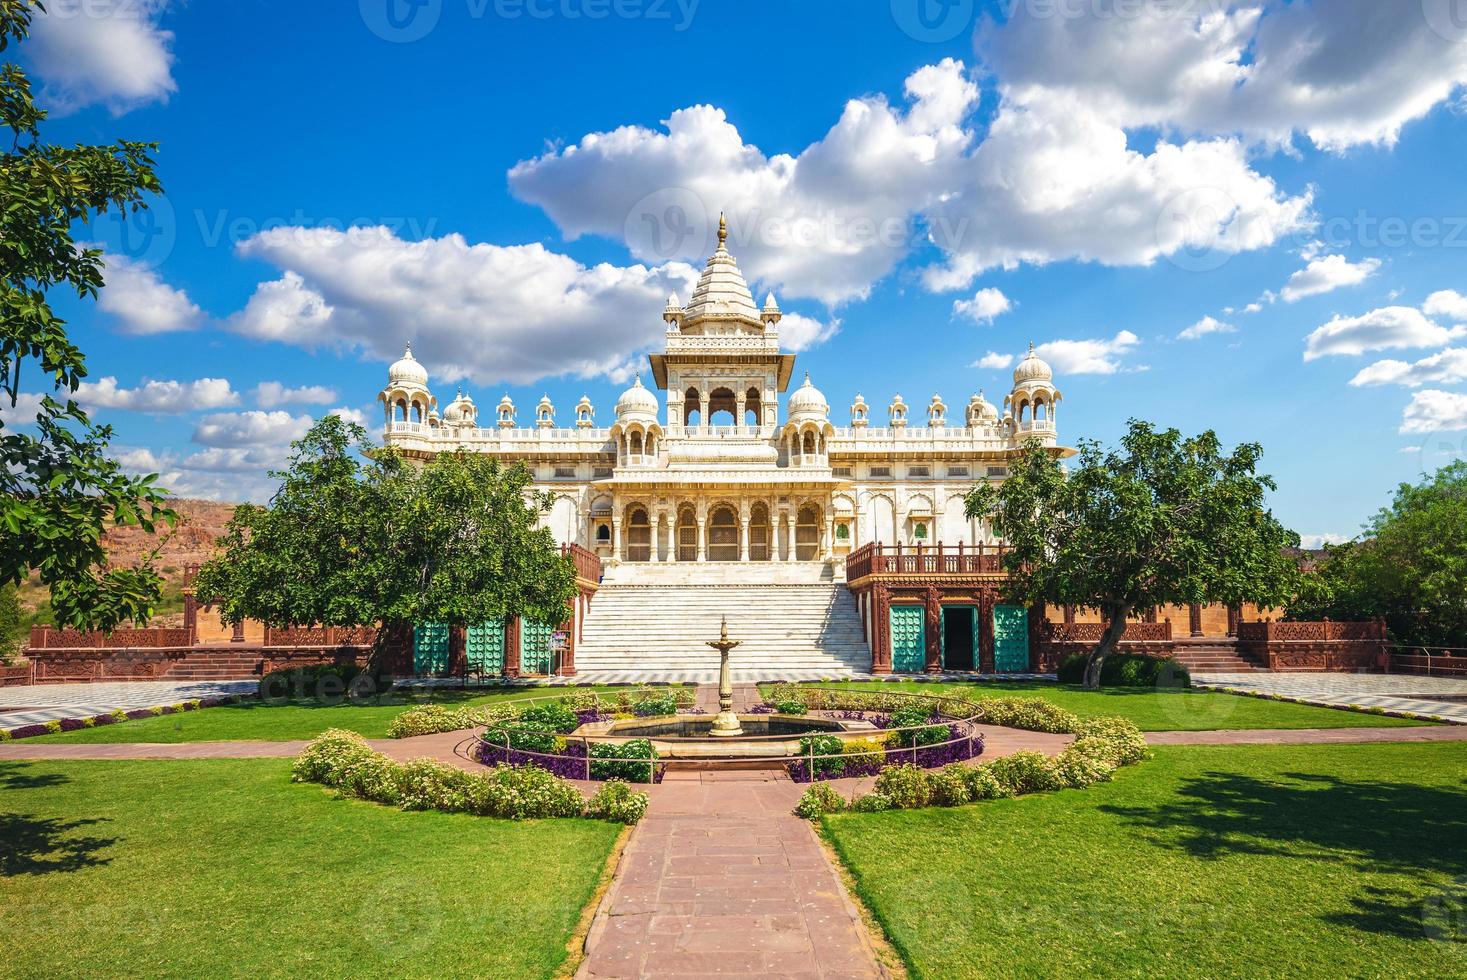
point(1443, 698)
point(36, 704)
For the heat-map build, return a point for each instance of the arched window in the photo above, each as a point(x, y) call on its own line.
point(603, 533)
point(807, 533)
point(687, 533)
point(759, 533)
point(751, 408)
point(721, 407)
point(723, 534)
point(639, 535)
point(808, 446)
point(400, 410)
point(635, 445)
point(692, 407)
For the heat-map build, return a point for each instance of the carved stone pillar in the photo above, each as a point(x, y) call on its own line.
point(880, 630)
point(238, 636)
point(1235, 612)
point(1194, 618)
point(616, 539)
point(744, 539)
point(702, 538)
point(1069, 615)
point(932, 607)
point(1149, 616)
point(656, 535)
point(985, 631)
point(789, 537)
point(512, 648)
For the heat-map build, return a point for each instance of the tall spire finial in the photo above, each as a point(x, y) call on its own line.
point(722, 230)
point(1031, 346)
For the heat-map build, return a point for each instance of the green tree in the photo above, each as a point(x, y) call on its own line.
point(1409, 567)
point(59, 491)
point(358, 536)
point(11, 626)
point(1164, 520)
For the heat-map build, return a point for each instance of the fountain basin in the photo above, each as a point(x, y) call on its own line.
point(685, 740)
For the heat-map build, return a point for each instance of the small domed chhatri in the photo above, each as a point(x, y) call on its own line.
point(637, 400)
point(1032, 368)
point(808, 402)
point(406, 370)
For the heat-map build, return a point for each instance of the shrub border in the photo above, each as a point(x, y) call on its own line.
point(116, 716)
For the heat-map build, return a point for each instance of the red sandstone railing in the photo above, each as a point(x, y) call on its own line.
point(1316, 632)
point(1136, 632)
point(325, 636)
point(588, 565)
point(936, 559)
point(51, 638)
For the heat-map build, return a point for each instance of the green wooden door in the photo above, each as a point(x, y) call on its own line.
point(535, 647)
point(908, 638)
point(485, 648)
point(1010, 638)
point(430, 649)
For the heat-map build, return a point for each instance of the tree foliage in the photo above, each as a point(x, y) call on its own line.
point(1163, 520)
point(59, 491)
point(1409, 567)
point(358, 536)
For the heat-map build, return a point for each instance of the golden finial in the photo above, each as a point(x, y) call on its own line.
point(722, 229)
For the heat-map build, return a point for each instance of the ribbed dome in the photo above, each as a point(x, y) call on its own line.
point(1031, 368)
point(407, 370)
point(461, 409)
point(722, 292)
point(981, 408)
point(637, 400)
point(808, 402)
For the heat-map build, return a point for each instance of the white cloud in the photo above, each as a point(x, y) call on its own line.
point(1316, 541)
point(1434, 410)
point(985, 305)
point(1326, 275)
point(89, 52)
point(493, 313)
point(353, 415)
point(798, 333)
point(145, 304)
point(1387, 327)
point(250, 429)
point(1088, 356)
point(1052, 180)
point(1446, 303)
point(274, 393)
point(1343, 73)
point(1205, 326)
point(994, 361)
point(27, 407)
point(825, 223)
point(158, 397)
point(1444, 367)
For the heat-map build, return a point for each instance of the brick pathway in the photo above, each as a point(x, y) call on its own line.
point(720, 878)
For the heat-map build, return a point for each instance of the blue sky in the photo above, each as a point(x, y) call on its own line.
point(1246, 216)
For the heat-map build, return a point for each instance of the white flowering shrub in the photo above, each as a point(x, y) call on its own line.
point(1030, 714)
point(1118, 735)
point(615, 801)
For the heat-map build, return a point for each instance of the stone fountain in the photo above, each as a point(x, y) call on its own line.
point(727, 723)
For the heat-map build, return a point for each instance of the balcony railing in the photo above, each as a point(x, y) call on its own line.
point(938, 559)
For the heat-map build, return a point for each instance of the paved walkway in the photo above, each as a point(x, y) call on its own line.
point(1311, 736)
point(36, 704)
point(1443, 698)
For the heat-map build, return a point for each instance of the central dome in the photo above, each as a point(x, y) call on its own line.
point(722, 293)
point(407, 370)
point(1031, 368)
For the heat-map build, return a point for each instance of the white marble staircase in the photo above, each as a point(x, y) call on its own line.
point(650, 622)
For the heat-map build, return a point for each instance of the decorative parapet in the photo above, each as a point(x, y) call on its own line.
point(1324, 645)
point(51, 638)
point(920, 560)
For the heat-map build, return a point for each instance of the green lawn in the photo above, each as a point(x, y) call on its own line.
point(1155, 710)
point(225, 868)
point(1242, 861)
point(279, 722)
